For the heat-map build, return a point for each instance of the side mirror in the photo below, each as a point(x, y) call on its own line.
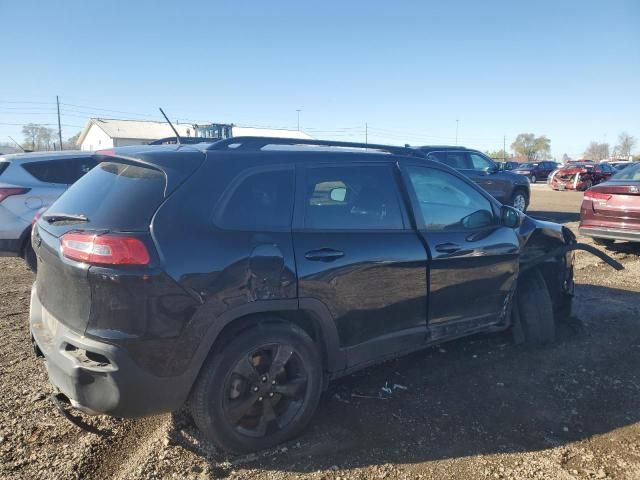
point(510, 217)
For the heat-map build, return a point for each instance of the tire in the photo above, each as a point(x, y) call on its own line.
point(562, 309)
point(588, 185)
point(603, 242)
point(237, 418)
point(535, 309)
point(533, 179)
point(30, 257)
point(519, 200)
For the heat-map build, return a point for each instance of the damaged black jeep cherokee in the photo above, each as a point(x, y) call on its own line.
point(239, 278)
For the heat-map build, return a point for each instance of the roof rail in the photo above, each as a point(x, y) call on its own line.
point(256, 143)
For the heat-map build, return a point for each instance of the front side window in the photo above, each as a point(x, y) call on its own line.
point(458, 160)
point(480, 163)
point(447, 202)
point(258, 200)
point(351, 198)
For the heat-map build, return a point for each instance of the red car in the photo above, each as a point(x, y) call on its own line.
point(611, 210)
point(580, 176)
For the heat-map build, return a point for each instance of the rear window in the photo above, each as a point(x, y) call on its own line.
point(3, 166)
point(115, 196)
point(629, 173)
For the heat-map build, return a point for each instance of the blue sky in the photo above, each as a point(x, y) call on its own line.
point(566, 69)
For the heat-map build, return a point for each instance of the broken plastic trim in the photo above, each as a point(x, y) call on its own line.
point(567, 248)
point(58, 399)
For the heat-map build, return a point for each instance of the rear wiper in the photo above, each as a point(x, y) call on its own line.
point(64, 217)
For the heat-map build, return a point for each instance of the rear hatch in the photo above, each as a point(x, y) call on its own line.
point(117, 199)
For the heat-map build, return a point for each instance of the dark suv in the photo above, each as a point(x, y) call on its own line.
point(240, 277)
point(535, 171)
point(507, 187)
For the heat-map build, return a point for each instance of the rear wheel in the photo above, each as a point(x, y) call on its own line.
point(261, 389)
point(534, 309)
point(533, 179)
point(603, 242)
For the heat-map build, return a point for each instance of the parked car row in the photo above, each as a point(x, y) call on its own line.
point(240, 277)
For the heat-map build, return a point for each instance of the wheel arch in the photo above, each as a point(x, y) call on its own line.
point(310, 315)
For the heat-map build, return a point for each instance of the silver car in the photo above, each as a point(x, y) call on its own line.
point(29, 182)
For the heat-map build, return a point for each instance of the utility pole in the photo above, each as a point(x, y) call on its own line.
point(298, 110)
point(504, 148)
point(59, 126)
point(366, 133)
point(457, 131)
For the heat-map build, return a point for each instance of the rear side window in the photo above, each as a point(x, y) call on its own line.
point(351, 198)
point(3, 166)
point(458, 160)
point(259, 199)
point(115, 196)
point(60, 171)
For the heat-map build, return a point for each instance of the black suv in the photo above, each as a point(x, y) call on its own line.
point(240, 277)
point(507, 187)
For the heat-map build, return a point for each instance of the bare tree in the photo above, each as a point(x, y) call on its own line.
point(532, 147)
point(625, 144)
point(70, 143)
point(597, 151)
point(44, 138)
point(30, 133)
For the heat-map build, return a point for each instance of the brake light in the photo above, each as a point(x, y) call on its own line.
point(37, 216)
point(8, 192)
point(104, 249)
point(596, 195)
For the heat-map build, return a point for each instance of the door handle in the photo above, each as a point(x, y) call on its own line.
point(324, 255)
point(447, 248)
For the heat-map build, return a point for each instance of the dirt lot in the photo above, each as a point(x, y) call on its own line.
point(475, 408)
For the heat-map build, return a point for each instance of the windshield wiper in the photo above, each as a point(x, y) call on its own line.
point(65, 217)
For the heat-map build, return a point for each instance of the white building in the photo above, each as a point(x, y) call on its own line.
point(101, 133)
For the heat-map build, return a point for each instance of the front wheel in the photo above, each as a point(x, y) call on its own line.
point(534, 316)
point(519, 201)
point(261, 389)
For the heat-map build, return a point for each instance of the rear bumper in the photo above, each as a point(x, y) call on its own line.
point(98, 377)
point(610, 233)
point(10, 247)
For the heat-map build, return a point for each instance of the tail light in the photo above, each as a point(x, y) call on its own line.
point(8, 192)
point(596, 195)
point(104, 249)
point(37, 216)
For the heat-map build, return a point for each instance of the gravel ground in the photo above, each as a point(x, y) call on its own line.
point(475, 408)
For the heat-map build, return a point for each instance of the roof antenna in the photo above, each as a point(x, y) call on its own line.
point(171, 125)
point(21, 148)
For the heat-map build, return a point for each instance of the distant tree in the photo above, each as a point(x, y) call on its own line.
point(531, 147)
point(625, 144)
point(30, 134)
point(70, 143)
point(44, 138)
point(597, 151)
point(37, 137)
point(498, 154)
point(566, 158)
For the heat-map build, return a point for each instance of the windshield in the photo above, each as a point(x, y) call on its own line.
point(629, 173)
